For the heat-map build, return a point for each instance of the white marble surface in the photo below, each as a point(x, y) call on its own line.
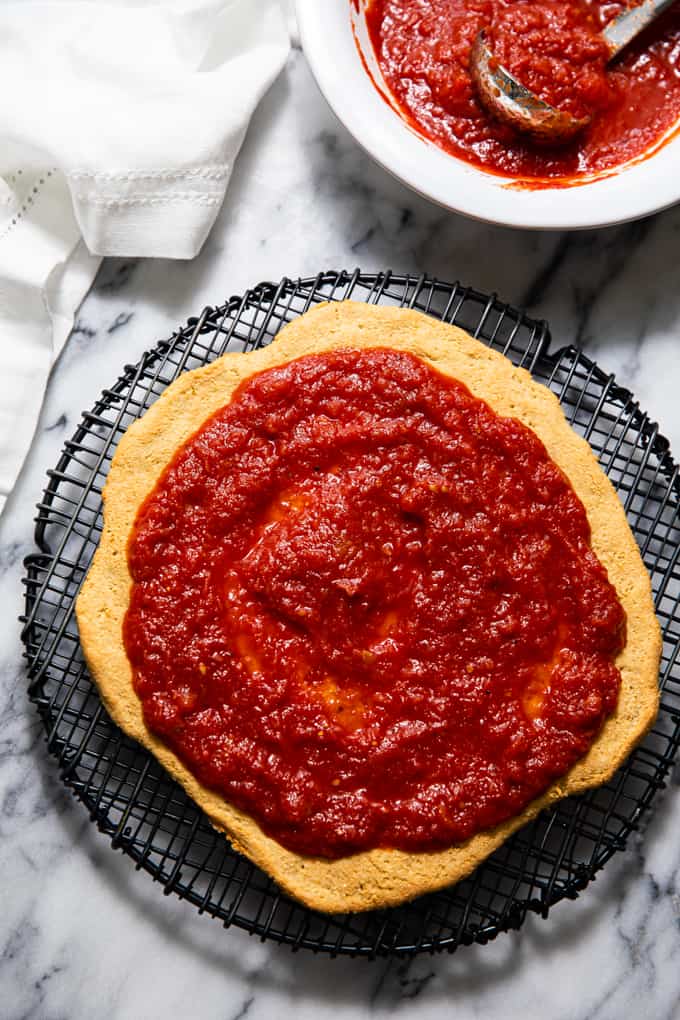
point(82, 935)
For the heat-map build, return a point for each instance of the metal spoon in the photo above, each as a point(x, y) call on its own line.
point(510, 102)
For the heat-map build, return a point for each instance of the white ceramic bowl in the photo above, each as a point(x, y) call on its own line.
point(326, 30)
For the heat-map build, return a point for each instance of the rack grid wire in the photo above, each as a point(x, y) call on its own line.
point(147, 815)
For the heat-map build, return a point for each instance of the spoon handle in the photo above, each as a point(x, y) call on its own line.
point(623, 29)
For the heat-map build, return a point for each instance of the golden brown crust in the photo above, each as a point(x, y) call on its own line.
point(375, 878)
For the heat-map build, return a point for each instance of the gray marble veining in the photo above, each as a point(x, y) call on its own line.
point(84, 935)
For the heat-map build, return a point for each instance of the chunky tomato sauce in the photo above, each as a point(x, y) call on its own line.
point(551, 46)
point(365, 608)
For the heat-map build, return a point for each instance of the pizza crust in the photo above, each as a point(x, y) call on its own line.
point(383, 877)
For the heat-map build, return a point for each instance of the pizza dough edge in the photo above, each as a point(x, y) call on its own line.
point(376, 878)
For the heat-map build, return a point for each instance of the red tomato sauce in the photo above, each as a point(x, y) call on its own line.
point(365, 608)
point(551, 46)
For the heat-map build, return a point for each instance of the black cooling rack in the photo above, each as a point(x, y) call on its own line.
point(150, 818)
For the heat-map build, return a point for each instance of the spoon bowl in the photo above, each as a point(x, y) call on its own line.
point(517, 106)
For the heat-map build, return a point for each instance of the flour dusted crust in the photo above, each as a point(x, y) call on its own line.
point(375, 878)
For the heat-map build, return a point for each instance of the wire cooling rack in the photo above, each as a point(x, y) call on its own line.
point(150, 818)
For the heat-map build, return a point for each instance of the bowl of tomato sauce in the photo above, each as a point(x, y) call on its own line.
point(396, 72)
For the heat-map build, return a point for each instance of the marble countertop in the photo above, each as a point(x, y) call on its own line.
point(84, 935)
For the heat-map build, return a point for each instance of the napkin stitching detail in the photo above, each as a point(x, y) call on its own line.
point(197, 197)
point(218, 172)
point(24, 203)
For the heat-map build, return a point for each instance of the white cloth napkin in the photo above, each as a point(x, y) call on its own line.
point(119, 127)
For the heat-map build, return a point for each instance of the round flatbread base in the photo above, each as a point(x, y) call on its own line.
point(383, 877)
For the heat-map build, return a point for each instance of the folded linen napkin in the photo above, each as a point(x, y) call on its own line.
point(119, 128)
